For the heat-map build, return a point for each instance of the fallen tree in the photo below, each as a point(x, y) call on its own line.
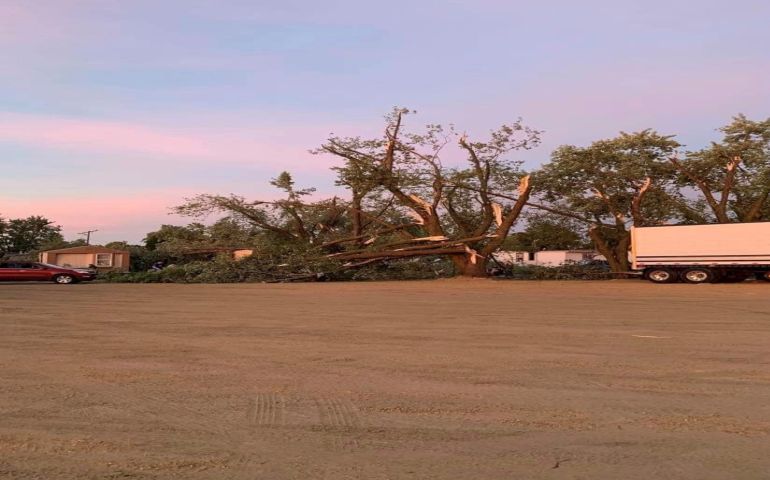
point(454, 209)
point(403, 201)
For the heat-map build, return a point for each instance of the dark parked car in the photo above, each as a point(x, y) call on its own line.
point(13, 271)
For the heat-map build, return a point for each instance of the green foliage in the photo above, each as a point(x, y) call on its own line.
point(547, 231)
point(173, 243)
point(612, 184)
point(600, 181)
point(564, 272)
point(141, 257)
point(291, 219)
point(729, 195)
point(273, 262)
point(419, 268)
point(173, 238)
point(282, 264)
point(28, 235)
point(285, 182)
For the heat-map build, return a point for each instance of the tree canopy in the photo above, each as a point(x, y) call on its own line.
point(614, 184)
point(25, 235)
point(732, 176)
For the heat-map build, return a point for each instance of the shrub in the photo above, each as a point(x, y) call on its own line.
point(573, 271)
point(420, 268)
point(283, 266)
point(130, 277)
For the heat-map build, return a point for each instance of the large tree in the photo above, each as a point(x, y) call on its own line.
point(455, 209)
point(404, 200)
point(732, 176)
point(614, 184)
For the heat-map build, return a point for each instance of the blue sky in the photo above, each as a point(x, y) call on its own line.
point(114, 111)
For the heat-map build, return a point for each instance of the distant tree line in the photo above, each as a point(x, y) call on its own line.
point(436, 195)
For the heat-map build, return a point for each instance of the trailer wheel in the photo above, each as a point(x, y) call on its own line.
point(697, 275)
point(660, 275)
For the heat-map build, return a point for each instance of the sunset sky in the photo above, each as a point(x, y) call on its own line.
point(111, 111)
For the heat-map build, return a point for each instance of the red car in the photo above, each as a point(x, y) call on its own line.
point(13, 271)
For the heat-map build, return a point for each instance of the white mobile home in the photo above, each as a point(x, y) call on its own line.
point(506, 257)
point(554, 258)
point(546, 258)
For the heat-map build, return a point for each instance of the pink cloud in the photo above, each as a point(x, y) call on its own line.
point(119, 217)
point(275, 146)
point(96, 135)
point(143, 146)
point(116, 217)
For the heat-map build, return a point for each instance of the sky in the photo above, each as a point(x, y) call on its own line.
point(112, 111)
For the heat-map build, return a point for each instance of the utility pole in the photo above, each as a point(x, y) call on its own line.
point(88, 233)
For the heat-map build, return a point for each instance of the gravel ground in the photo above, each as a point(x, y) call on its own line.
point(453, 379)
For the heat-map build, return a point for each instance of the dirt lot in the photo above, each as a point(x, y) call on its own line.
point(446, 379)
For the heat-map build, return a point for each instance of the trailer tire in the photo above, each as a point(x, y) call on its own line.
point(698, 275)
point(661, 275)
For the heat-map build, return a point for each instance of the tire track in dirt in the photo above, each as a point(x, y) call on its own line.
point(342, 418)
point(267, 409)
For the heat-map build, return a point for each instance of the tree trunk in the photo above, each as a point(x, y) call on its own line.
point(609, 254)
point(616, 256)
point(465, 268)
point(621, 253)
point(356, 219)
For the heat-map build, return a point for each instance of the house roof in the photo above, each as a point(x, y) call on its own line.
point(86, 249)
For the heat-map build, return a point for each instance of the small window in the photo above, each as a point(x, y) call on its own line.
point(103, 259)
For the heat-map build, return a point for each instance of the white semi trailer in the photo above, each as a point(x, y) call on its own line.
point(702, 253)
